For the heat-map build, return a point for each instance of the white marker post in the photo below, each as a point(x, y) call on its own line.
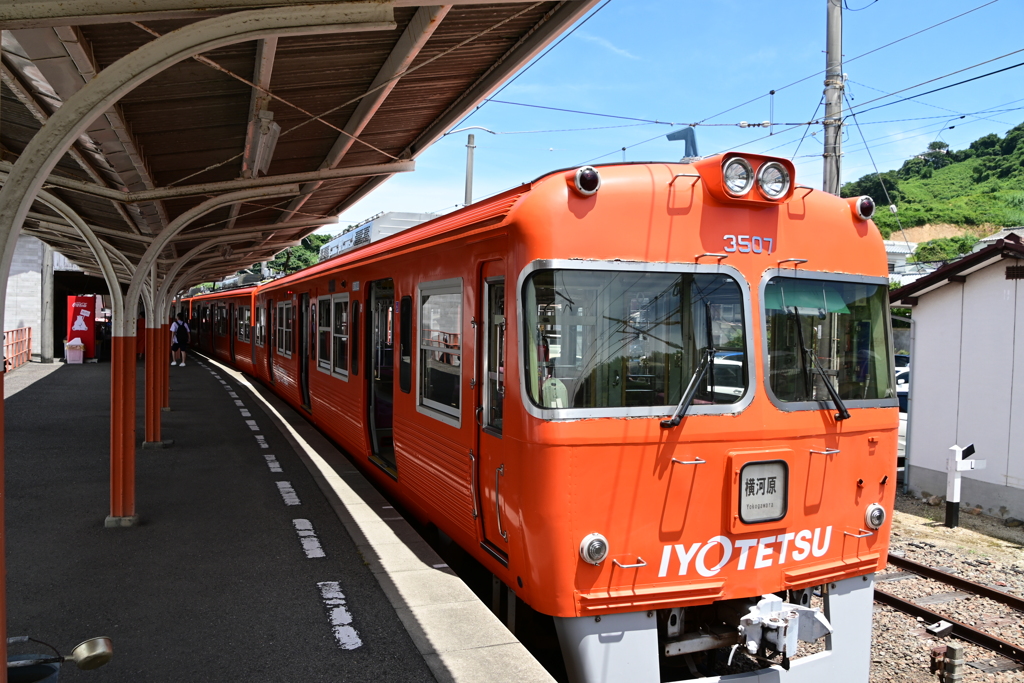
point(956, 464)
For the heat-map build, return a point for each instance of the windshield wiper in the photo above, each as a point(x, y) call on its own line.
point(843, 413)
point(706, 365)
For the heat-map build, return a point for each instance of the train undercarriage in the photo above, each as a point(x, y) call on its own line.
point(768, 632)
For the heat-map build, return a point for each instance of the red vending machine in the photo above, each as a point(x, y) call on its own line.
point(82, 323)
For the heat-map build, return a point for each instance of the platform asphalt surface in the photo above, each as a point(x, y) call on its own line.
point(215, 583)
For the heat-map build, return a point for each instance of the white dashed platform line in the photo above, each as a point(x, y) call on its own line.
point(245, 413)
point(232, 394)
point(238, 403)
point(222, 381)
point(307, 537)
point(341, 621)
point(252, 425)
point(261, 440)
point(272, 463)
point(440, 566)
point(288, 493)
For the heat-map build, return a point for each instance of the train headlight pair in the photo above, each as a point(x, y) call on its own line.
point(594, 548)
point(772, 178)
point(875, 516)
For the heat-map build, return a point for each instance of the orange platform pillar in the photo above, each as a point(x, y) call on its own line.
point(155, 369)
point(122, 433)
point(165, 364)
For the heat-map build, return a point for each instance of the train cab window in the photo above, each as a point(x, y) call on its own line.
point(341, 334)
point(244, 323)
point(630, 341)
point(323, 337)
point(261, 326)
point(827, 330)
point(284, 328)
point(440, 346)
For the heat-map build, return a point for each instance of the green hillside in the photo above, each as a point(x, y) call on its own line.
point(983, 184)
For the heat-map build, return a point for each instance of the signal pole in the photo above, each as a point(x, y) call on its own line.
point(833, 97)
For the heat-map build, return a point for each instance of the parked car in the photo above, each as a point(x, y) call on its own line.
point(903, 387)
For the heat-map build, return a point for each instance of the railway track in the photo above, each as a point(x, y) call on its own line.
point(961, 630)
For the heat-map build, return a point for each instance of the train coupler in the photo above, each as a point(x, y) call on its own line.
point(779, 625)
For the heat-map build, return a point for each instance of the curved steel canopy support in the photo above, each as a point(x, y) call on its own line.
point(179, 224)
point(74, 116)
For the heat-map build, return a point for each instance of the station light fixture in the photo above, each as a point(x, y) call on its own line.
point(264, 134)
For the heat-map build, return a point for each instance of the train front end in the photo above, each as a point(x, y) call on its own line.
point(708, 434)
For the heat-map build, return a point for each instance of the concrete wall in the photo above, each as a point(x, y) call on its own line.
point(967, 388)
point(24, 289)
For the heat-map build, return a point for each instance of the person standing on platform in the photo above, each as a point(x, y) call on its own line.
point(179, 340)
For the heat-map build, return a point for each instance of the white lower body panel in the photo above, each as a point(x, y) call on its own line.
point(624, 647)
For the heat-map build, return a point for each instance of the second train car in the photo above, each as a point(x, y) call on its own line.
point(655, 400)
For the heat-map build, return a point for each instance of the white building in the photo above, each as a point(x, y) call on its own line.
point(373, 229)
point(967, 383)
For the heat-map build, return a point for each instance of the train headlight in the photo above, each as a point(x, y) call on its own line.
point(594, 548)
point(773, 179)
point(874, 517)
point(737, 176)
point(587, 180)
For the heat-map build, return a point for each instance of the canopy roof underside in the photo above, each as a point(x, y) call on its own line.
point(344, 101)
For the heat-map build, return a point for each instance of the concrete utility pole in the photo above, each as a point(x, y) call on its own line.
point(470, 146)
point(46, 319)
point(833, 97)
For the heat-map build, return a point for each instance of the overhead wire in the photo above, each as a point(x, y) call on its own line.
point(881, 182)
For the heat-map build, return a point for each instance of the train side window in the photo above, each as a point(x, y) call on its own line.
point(261, 323)
point(341, 334)
point(405, 345)
point(244, 322)
point(440, 348)
point(355, 337)
point(323, 337)
point(284, 329)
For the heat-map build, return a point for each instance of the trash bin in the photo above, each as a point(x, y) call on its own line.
point(73, 353)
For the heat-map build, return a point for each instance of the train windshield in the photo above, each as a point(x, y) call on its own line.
point(631, 339)
point(844, 326)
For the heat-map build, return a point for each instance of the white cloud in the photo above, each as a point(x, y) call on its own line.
point(606, 44)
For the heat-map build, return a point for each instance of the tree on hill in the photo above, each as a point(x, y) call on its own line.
point(944, 248)
point(974, 186)
point(304, 254)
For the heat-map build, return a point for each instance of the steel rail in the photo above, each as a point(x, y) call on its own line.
point(1007, 599)
point(960, 630)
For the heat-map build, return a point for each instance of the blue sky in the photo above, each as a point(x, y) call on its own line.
point(682, 61)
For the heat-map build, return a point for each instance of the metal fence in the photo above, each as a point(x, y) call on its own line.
point(17, 347)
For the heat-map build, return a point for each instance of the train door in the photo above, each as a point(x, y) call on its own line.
point(303, 348)
point(381, 351)
point(490, 396)
point(231, 332)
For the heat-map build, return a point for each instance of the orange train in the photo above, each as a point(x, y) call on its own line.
point(655, 400)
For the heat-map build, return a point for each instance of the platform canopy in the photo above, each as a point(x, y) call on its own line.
point(202, 136)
